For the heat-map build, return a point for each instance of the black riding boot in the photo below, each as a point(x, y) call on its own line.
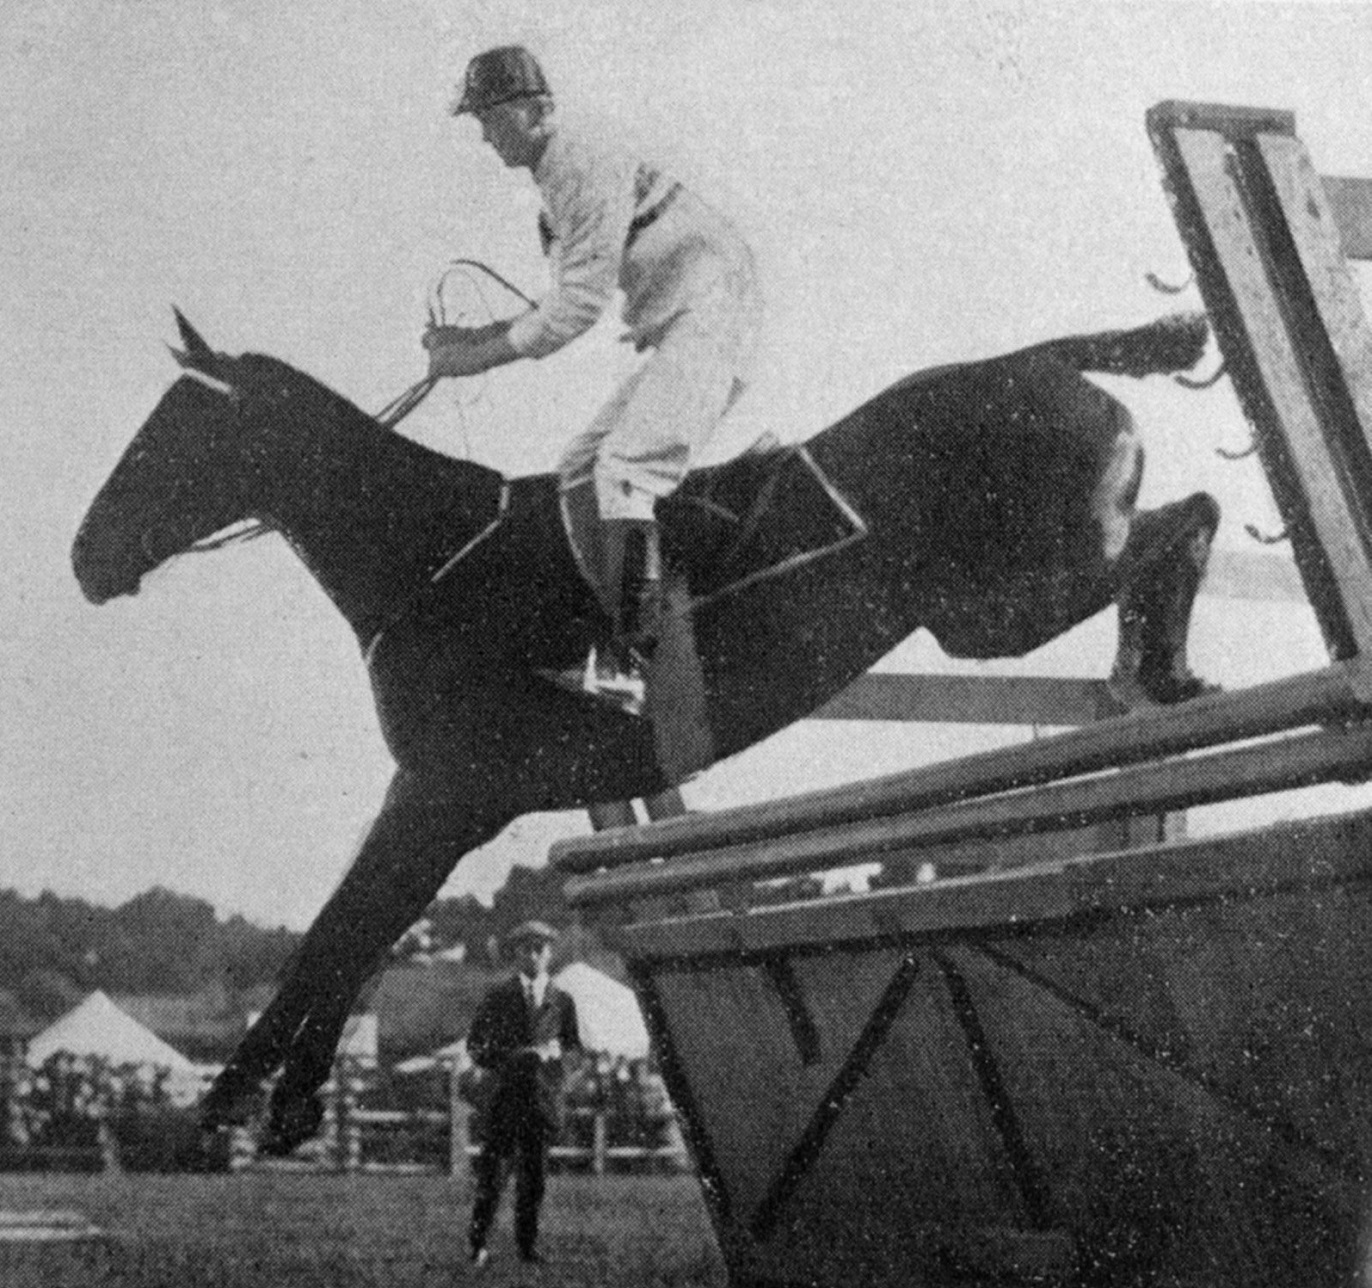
point(638, 618)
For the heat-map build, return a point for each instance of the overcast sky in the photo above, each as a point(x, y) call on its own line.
point(923, 182)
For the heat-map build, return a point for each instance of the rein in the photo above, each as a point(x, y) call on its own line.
point(401, 406)
point(388, 418)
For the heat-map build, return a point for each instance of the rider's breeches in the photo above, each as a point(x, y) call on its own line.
point(642, 442)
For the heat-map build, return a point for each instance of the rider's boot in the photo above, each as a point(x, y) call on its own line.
point(636, 599)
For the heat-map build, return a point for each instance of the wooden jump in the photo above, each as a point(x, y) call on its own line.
point(1333, 695)
point(1105, 1066)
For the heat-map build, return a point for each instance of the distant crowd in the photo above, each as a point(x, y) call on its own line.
point(85, 1113)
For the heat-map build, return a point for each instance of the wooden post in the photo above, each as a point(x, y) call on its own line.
point(350, 1123)
point(612, 814)
point(599, 1142)
point(459, 1125)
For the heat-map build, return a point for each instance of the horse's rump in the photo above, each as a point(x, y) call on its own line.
point(990, 466)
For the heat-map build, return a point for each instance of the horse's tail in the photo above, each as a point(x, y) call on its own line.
point(1173, 343)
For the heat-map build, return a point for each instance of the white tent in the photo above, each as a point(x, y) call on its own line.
point(97, 1027)
point(606, 1011)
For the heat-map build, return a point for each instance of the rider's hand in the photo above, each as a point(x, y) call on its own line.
point(467, 351)
point(460, 359)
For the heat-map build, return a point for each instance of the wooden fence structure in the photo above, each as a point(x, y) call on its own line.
point(1108, 1065)
point(357, 1138)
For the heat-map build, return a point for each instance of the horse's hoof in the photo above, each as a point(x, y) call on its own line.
point(291, 1123)
point(219, 1110)
point(1173, 689)
point(1129, 693)
point(1135, 692)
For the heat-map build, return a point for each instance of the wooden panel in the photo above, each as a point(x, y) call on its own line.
point(1200, 989)
point(1155, 1166)
point(1238, 248)
point(1351, 202)
point(1177, 1096)
point(915, 1148)
point(733, 1042)
point(1319, 696)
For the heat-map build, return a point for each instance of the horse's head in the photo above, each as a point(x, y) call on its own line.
point(185, 476)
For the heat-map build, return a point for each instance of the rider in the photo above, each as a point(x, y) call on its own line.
point(612, 219)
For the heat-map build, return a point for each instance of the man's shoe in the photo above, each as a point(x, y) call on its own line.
point(530, 1257)
point(480, 1257)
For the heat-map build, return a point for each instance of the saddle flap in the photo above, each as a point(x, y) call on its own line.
point(763, 514)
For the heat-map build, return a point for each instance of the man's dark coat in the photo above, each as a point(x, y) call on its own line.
point(522, 1087)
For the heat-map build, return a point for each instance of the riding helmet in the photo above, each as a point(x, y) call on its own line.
point(498, 76)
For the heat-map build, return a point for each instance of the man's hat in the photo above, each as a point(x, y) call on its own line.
point(531, 931)
point(499, 76)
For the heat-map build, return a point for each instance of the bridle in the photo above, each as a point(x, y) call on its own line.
point(388, 418)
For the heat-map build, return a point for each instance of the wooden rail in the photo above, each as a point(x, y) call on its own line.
point(1329, 696)
point(1280, 765)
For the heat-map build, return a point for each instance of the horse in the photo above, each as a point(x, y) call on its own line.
point(993, 503)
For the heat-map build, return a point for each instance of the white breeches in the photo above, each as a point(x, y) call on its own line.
point(642, 442)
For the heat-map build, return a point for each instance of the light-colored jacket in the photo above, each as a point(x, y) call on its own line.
point(619, 220)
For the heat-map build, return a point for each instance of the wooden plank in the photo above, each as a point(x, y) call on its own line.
point(1351, 201)
point(1326, 319)
point(1313, 698)
point(1240, 865)
point(1338, 304)
point(608, 814)
point(1298, 761)
point(971, 699)
point(1233, 122)
point(1241, 252)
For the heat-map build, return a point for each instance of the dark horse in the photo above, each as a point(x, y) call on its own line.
point(999, 501)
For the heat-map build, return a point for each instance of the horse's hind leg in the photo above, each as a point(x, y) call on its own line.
point(1172, 548)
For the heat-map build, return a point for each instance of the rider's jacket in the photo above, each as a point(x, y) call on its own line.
point(612, 218)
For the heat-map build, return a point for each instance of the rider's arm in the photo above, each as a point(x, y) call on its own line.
point(590, 199)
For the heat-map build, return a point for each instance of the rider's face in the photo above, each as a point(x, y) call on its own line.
point(515, 131)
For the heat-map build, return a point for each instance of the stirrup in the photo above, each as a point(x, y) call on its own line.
point(602, 681)
point(616, 675)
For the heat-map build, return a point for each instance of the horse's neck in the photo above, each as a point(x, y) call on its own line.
point(372, 514)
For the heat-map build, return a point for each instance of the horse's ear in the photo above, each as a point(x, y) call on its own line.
point(197, 355)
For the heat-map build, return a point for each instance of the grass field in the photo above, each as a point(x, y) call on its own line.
point(313, 1231)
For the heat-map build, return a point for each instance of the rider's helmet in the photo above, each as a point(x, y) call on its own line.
point(499, 76)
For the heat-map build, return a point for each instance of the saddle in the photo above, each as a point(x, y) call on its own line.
point(761, 515)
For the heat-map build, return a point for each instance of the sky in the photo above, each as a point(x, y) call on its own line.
point(922, 182)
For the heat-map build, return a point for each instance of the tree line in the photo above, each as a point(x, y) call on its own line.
point(55, 950)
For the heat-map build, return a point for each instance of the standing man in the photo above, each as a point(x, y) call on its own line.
point(612, 220)
point(518, 1037)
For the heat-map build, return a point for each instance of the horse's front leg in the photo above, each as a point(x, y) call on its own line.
point(424, 828)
